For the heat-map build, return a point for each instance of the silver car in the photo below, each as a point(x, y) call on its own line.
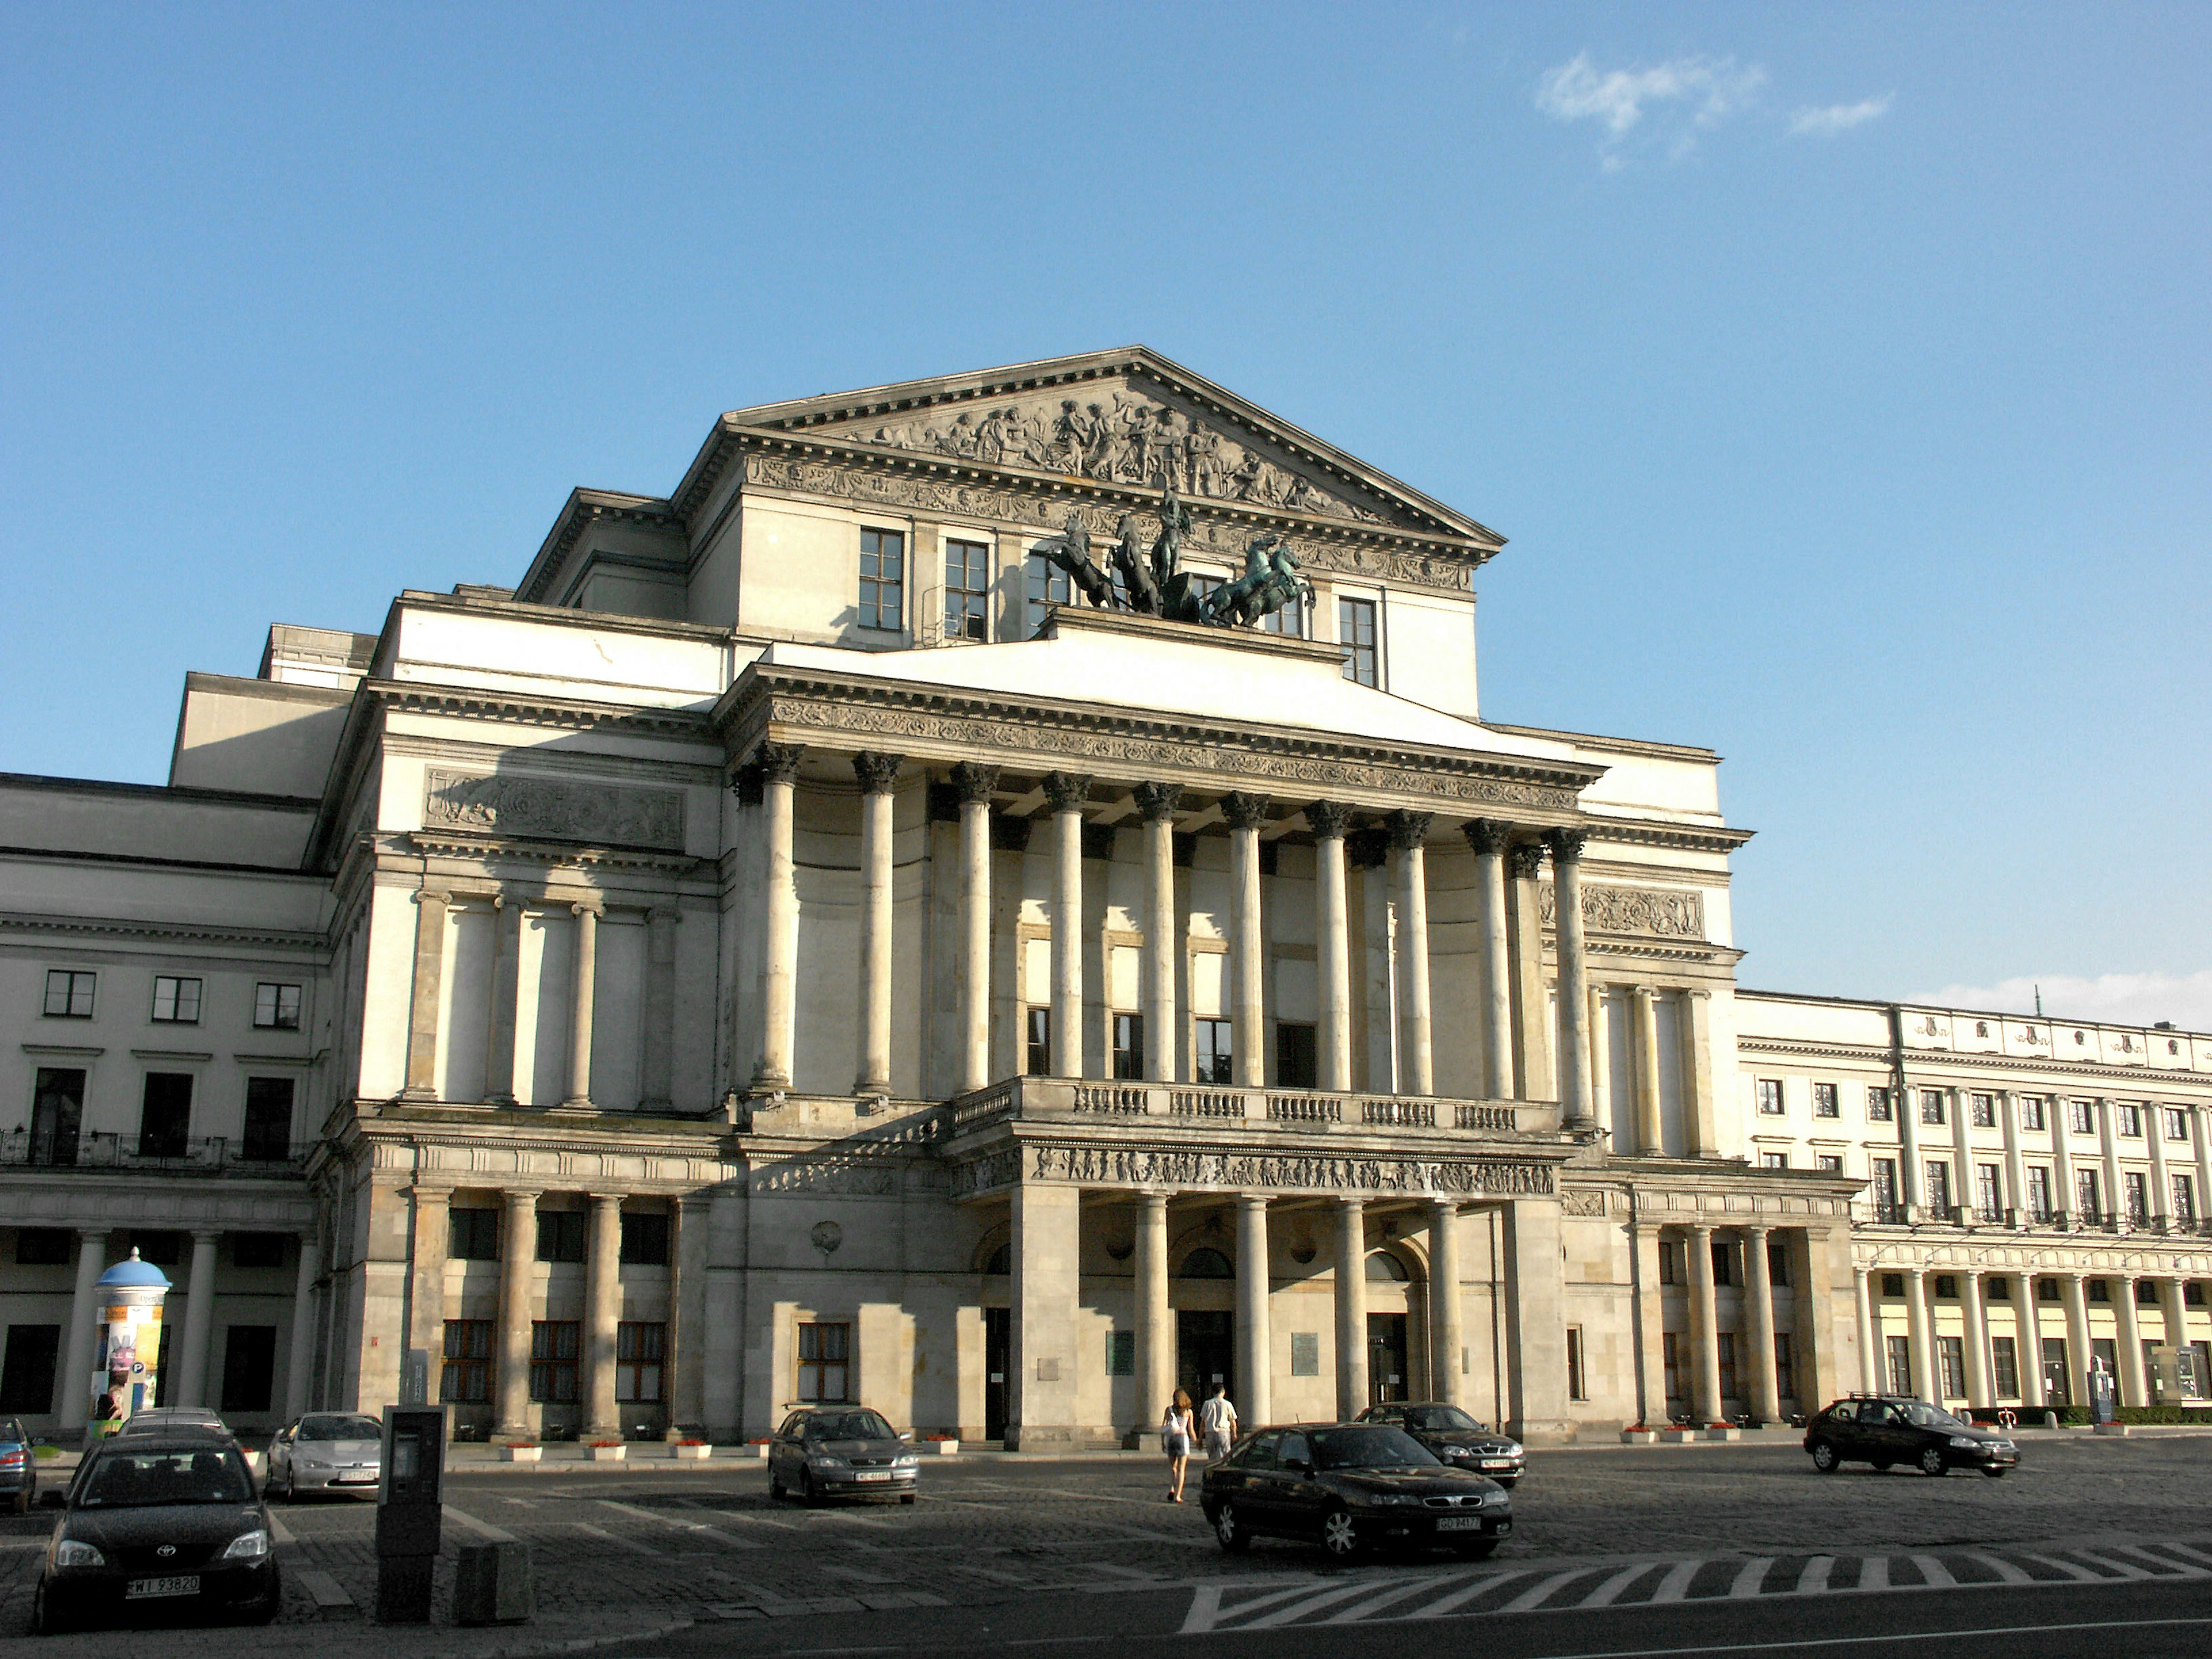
point(841, 1451)
point(327, 1452)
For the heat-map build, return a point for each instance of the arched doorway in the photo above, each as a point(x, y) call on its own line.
point(1389, 1349)
point(1206, 1322)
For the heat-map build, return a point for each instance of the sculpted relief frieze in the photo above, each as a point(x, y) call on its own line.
point(1663, 913)
point(1016, 507)
point(1110, 1166)
point(548, 809)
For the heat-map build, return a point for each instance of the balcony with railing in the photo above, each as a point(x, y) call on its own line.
point(102, 1151)
point(1293, 1111)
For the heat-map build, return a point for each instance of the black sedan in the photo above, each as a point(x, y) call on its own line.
point(843, 1451)
point(1886, 1430)
point(1351, 1487)
point(1455, 1437)
point(158, 1527)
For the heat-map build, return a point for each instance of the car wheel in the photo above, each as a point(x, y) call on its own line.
point(1229, 1531)
point(1994, 1474)
point(1931, 1462)
point(44, 1620)
point(1477, 1549)
point(1825, 1458)
point(809, 1494)
point(776, 1487)
point(1339, 1536)
point(291, 1485)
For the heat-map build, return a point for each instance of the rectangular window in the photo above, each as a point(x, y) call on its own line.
point(2131, 1118)
point(1827, 1100)
point(467, 1374)
point(1120, 1353)
point(257, 1250)
point(1670, 1350)
point(1355, 631)
point(1576, 1389)
point(26, 1373)
point(1984, 1111)
point(2046, 1290)
point(56, 1113)
point(1048, 585)
point(1884, 1188)
point(1296, 1061)
point(1305, 1353)
point(1038, 1058)
point(1216, 1054)
point(1670, 1262)
point(1947, 1287)
point(165, 1114)
point(2177, 1124)
point(967, 590)
point(1892, 1285)
point(883, 579)
point(472, 1236)
point(1723, 1263)
point(1129, 1047)
point(1878, 1105)
point(2184, 1198)
point(554, 1345)
point(2057, 1386)
point(176, 1002)
point(645, 1239)
point(1901, 1364)
point(1770, 1096)
point(2104, 1355)
point(1785, 1366)
point(825, 1353)
point(42, 1247)
point(1289, 620)
point(68, 995)
point(1725, 1340)
point(1986, 1183)
point(1951, 1351)
point(1777, 1264)
point(2085, 1195)
point(2146, 1293)
point(1931, 1106)
point(249, 1366)
point(163, 1249)
point(639, 1350)
point(560, 1235)
point(2099, 1291)
point(268, 1137)
point(2031, 1112)
point(2081, 1116)
point(1774, 1160)
point(276, 1007)
point(1829, 1162)
point(2137, 1189)
point(2000, 1289)
point(2038, 1194)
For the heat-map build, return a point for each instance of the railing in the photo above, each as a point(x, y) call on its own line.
point(101, 1150)
point(1204, 1102)
point(1399, 1114)
point(1314, 1111)
point(1305, 1109)
point(983, 1105)
point(1116, 1101)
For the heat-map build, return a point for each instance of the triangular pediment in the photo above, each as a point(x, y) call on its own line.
point(1130, 418)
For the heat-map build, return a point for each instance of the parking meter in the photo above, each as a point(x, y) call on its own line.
point(410, 1491)
point(2103, 1396)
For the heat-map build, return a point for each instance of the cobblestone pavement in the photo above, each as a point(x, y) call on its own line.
point(623, 1554)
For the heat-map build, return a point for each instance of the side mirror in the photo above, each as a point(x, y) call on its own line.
point(906, 1434)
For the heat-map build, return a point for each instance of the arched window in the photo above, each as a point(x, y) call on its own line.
point(1001, 1264)
point(1206, 1263)
point(1386, 1268)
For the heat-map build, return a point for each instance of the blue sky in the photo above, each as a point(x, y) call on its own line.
point(1839, 375)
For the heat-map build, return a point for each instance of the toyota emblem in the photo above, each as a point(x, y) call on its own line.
point(167, 1549)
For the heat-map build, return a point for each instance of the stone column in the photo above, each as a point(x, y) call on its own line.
point(1701, 1124)
point(1155, 1332)
point(1351, 1385)
point(1574, 1101)
point(1601, 1045)
point(1650, 1132)
point(1254, 1343)
point(779, 765)
point(974, 784)
point(877, 774)
point(1910, 1191)
point(1758, 1310)
point(1871, 1380)
point(2015, 1192)
point(583, 988)
point(657, 1041)
point(1042, 1394)
point(199, 1319)
point(2027, 1328)
point(602, 1316)
point(2173, 1312)
point(2161, 1189)
point(1156, 805)
point(1068, 791)
point(518, 1254)
point(426, 1294)
point(1535, 1291)
point(1650, 1327)
point(2115, 1206)
point(1445, 1381)
point(1820, 1368)
point(1532, 1013)
point(1488, 837)
point(1417, 1065)
point(1920, 1333)
point(2135, 1386)
point(1332, 934)
point(1974, 1327)
point(507, 918)
point(687, 1313)
point(299, 1369)
point(74, 1407)
point(1705, 1328)
point(722, 1342)
point(1245, 814)
point(423, 1009)
point(2201, 1136)
point(2065, 1201)
point(2074, 1299)
point(1962, 1153)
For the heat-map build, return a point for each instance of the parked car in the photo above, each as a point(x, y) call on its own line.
point(1886, 1430)
point(327, 1452)
point(1455, 1437)
point(847, 1451)
point(156, 1524)
point(164, 1420)
point(19, 1466)
point(1351, 1487)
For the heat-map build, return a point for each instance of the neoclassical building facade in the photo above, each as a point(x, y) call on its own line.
point(791, 946)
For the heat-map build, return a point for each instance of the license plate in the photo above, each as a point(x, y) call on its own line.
point(871, 1474)
point(1497, 1462)
point(1459, 1523)
point(149, 1586)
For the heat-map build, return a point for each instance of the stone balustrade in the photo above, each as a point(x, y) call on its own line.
point(1293, 1110)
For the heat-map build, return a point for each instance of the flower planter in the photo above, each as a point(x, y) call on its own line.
point(691, 1453)
point(2109, 1428)
point(759, 1450)
point(1724, 1433)
point(1639, 1437)
point(520, 1454)
point(942, 1448)
point(608, 1454)
point(1679, 1437)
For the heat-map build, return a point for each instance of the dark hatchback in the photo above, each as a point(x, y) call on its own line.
point(157, 1529)
point(1455, 1437)
point(841, 1451)
point(1886, 1430)
point(19, 1466)
point(1351, 1487)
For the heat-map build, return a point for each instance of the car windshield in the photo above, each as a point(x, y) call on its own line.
point(1922, 1415)
point(849, 1425)
point(1433, 1418)
point(340, 1428)
point(123, 1480)
point(1369, 1446)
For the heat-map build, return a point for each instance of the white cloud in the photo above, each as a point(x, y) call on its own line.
point(2116, 999)
point(1839, 118)
point(1681, 97)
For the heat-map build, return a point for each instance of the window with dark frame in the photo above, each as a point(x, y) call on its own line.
point(1774, 1160)
point(2081, 1116)
point(1878, 1104)
point(2184, 1198)
point(1296, 1061)
point(1577, 1388)
point(165, 1114)
point(2135, 1185)
point(1953, 1352)
point(1670, 1261)
point(1037, 1060)
point(640, 1351)
point(2005, 1360)
point(1982, 1109)
point(1120, 1353)
point(1355, 632)
point(1827, 1100)
point(1725, 1341)
point(1770, 1096)
point(1777, 1264)
point(42, 1247)
point(967, 590)
point(2086, 1195)
point(883, 579)
point(56, 1115)
point(257, 1250)
point(2130, 1121)
point(1986, 1185)
point(466, 1375)
point(1829, 1162)
point(1723, 1262)
point(160, 1246)
point(268, 1137)
point(1045, 585)
point(644, 1239)
point(27, 1370)
point(1290, 621)
point(70, 993)
point(1129, 1046)
point(276, 1007)
point(2038, 1194)
point(472, 1234)
point(1216, 1054)
point(825, 1354)
point(1785, 1366)
point(2031, 1112)
point(1670, 1363)
point(1937, 1176)
point(176, 1002)
point(1884, 1186)
point(249, 1367)
point(1932, 1107)
point(1892, 1285)
point(2177, 1124)
point(561, 1235)
point(553, 1347)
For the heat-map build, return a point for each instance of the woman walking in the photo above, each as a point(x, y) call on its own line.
point(1176, 1429)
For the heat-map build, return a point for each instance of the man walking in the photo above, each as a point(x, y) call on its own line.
point(1217, 1420)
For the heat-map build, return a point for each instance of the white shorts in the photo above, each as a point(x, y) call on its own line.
point(1175, 1444)
point(1217, 1444)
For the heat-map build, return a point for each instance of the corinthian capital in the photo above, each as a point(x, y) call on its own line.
point(1406, 830)
point(1524, 861)
point(778, 761)
point(1487, 836)
point(1156, 802)
point(876, 772)
point(1566, 845)
point(973, 782)
point(1328, 817)
point(1245, 811)
point(1067, 791)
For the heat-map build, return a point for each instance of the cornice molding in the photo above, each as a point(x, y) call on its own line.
point(265, 938)
point(1916, 1060)
point(516, 708)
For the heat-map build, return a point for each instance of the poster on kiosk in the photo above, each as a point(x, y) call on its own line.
point(128, 1373)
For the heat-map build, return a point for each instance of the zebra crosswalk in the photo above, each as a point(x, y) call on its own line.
point(1383, 1595)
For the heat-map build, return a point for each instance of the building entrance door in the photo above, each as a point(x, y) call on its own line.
point(1387, 1376)
point(1205, 1347)
point(998, 1347)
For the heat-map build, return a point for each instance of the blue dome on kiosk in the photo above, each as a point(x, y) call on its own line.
point(136, 1275)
